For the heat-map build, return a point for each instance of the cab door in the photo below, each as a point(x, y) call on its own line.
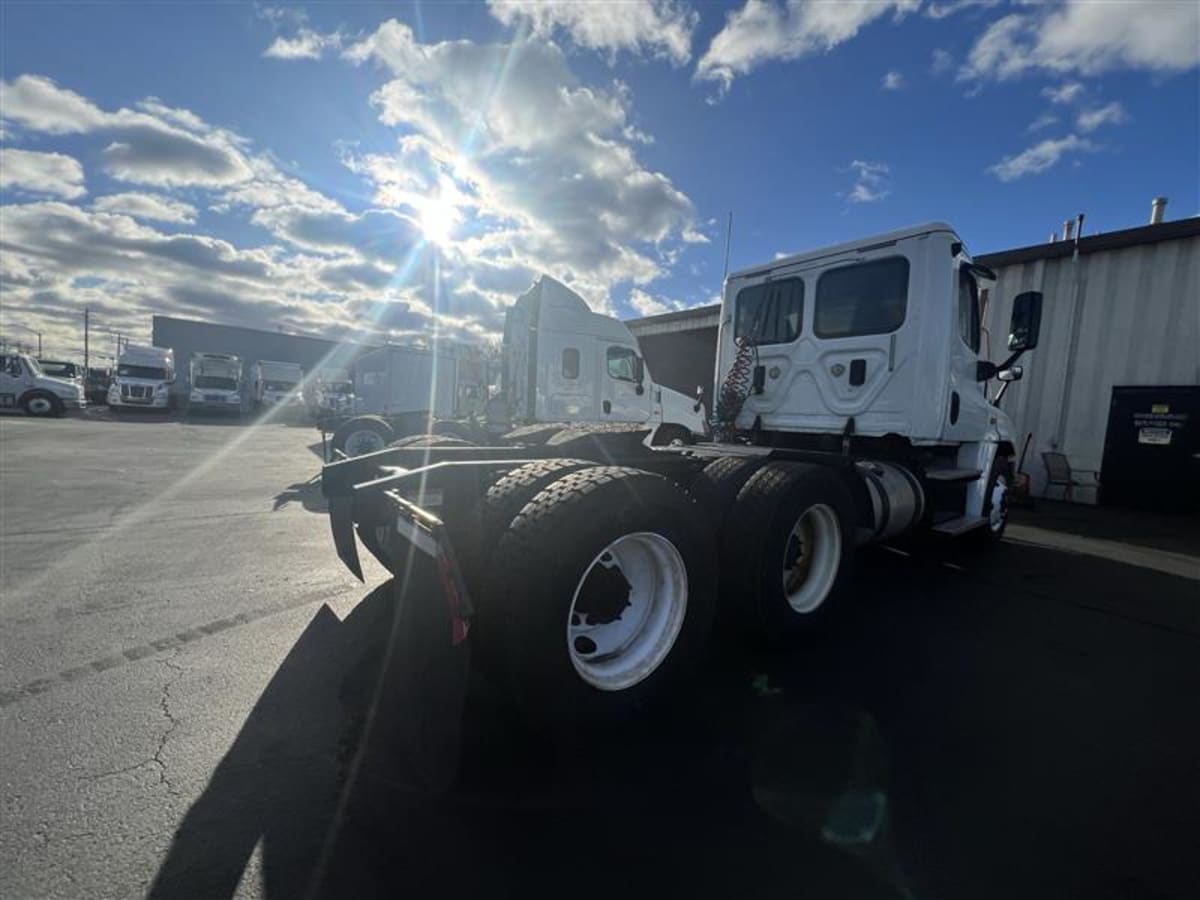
point(12, 381)
point(622, 389)
point(568, 377)
point(968, 409)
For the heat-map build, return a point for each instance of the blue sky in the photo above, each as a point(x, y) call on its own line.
point(407, 169)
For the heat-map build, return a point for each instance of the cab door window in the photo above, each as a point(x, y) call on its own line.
point(622, 364)
point(968, 309)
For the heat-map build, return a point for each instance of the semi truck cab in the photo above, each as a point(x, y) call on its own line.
point(565, 363)
point(24, 385)
point(278, 385)
point(143, 379)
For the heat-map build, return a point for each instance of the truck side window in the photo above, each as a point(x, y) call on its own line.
point(622, 363)
point(12, 366)
point(968, 309)
point(869, 298)
point(770, 313)
point(570, 363)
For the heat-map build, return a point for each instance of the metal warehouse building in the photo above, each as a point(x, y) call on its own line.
point(1121, 312)
point(186, 337)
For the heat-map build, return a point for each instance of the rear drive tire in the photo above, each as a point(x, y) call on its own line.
point(786, 549)
point(717, 486)
point(41, 404)
point(605, 597)
point(499, 506)
point(361, 435)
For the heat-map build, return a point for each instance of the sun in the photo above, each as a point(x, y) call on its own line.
point(438, 218)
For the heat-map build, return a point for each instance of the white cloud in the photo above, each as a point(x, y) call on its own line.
point(871, 183)
point(1039, 157)
point(1089, 38)
point(41, 173)
point(941, 61)
point(893, 81)
point(951, 7)
point(306, 44)
point(1110, 114)
point(659, 27)
point(646, 305)
point(550, 178)
point(154, 207)
point(763, 30)
point(39, 104)
point(154, 145)
point(1045, 120)
point(1064, 93)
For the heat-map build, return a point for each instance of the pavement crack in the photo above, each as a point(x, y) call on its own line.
point(164, 705)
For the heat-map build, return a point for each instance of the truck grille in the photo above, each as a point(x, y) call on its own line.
point(136, 392)
point(213, 398)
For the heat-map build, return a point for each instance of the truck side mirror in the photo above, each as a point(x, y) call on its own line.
point(1026, 321)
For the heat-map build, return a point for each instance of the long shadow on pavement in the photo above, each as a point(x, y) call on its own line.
point(985, 729)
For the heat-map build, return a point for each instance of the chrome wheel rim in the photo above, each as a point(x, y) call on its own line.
point(998, 514)
point(811, 557)
point(365, 440)
point(627, 611)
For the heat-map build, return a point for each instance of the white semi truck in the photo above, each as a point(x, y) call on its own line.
point(852, 407)
point(143, 378)
point(215, 381)
point(24, 385)
point(562, 364)
point(278, 386)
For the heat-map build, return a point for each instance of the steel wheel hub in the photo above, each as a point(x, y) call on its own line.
point(627, 611)
point(811, 558)
point(365, 440)
point(998, 514)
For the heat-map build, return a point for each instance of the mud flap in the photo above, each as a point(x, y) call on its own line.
point(341, 523)
point(423, 685)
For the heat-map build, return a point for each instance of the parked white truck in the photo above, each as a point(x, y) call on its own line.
point(215, 381)
point(143, 379)
point(24, 385)
point(278, 386)
point(586, 573)
point(562, 364)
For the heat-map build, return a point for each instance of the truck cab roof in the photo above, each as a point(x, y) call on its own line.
point(856, 246)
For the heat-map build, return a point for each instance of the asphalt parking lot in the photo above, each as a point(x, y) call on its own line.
point(197, 700)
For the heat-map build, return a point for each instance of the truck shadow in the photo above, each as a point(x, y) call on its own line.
point(306, 493)
point(957, 717)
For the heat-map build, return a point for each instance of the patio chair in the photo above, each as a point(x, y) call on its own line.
point(1059, 473)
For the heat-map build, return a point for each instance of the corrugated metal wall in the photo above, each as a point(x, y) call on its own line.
point(1119, 317)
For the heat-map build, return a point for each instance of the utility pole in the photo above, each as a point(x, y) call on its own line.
point(86, 313)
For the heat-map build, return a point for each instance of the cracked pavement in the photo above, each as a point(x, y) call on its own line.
point(150, 586)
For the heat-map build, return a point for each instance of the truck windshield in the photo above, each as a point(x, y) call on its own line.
point(218, 382)
point(150, 372)
point(34, 368)
point(58, 369)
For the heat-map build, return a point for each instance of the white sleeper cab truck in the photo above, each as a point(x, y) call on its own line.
point(24, 385)
point(278, 386)
point(562, 364)
point(216, 383)
point(143, 379)
point(855, 405)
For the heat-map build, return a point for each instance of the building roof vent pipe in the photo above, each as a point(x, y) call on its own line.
point(1068, 231)
point(1158, 206)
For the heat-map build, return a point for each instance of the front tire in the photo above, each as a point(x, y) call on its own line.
point(41, 404)
point(995, 506)
point(605, 597)
point(787, 547)
point(362, 435)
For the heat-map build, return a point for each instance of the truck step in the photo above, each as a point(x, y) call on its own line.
point(953, 474)
point(961, 525)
